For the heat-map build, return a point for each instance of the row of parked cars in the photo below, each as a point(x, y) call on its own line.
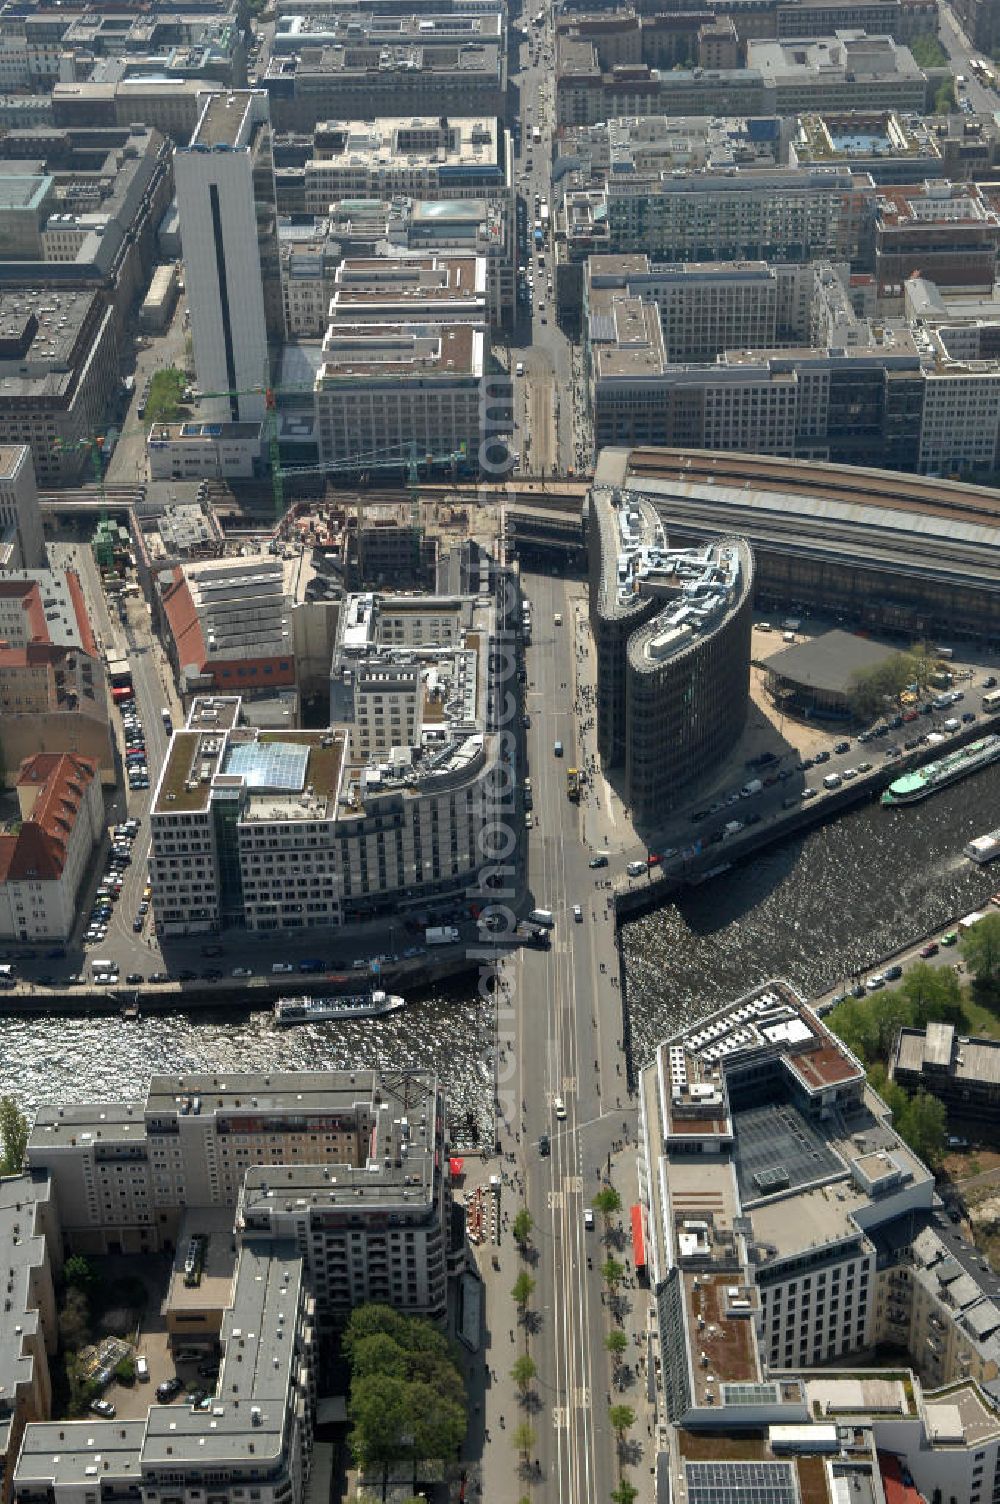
point(112, 882)
point(136, 766)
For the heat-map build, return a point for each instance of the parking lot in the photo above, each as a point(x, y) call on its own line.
point(150, 1338)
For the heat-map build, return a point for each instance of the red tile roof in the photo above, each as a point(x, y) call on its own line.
point(896, 1491)
point(83, 622)
point(31, 601)
point(185, 627)
point(38, 848)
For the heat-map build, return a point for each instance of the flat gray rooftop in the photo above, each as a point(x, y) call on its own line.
point(829, 662)
point(775, 1136)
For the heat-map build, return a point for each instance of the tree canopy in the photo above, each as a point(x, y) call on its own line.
point(407, 1396)
point(521, 1227)
point(927, 51)
point(607, 1201)
point(875, 689)
point(922, 1124)
point(612, 1273)
point(981, 949)
point(523, 1288)
point(869, 1025)
point(13, 1137)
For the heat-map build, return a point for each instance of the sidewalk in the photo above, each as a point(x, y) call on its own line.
point(636, 1311)
point(495, 1408)
point(606, 825)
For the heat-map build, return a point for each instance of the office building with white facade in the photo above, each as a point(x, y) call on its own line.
point(20, 515)
point(709, 306)
point(380, 813)
point(788, 1232)
point(388, 393)
point(224, 179)
point(765, 1160)
point(422, 157)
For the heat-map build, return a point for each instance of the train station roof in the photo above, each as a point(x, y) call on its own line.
point(828, 663)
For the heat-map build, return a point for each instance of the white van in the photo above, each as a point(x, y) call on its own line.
point(142, 1368)
point(543, 917)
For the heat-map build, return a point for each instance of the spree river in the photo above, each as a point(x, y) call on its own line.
point(814, 910)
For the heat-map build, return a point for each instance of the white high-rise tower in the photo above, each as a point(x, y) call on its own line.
point(225, 198)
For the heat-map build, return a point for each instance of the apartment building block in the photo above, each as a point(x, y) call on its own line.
point(44, 862)
point(29, 1331)
point(257, 1436)
point(53, 686)
point(313, 1190)
point(348, 1166)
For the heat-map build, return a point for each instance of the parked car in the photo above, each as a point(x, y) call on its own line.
point(104, 1408)
point(168, 1389)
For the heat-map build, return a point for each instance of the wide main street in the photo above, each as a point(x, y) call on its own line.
point(567, 1046)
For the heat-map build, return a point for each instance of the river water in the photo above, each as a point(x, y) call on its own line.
point(814, 910)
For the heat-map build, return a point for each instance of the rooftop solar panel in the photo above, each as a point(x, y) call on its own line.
point(741, 1483)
